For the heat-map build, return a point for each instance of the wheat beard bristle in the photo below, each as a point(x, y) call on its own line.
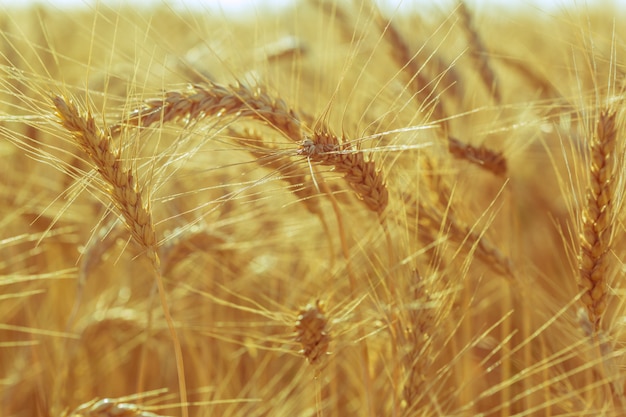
point(361, 175)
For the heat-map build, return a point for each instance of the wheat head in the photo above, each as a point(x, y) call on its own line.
point(598, 217)
point(213, 100)
point(361, 174)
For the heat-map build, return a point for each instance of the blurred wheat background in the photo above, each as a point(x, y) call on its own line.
point(324, 210)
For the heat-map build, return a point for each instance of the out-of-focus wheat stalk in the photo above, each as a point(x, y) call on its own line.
point(110, 408)
point(479, 53)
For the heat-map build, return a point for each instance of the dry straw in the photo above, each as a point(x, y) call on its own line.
point(598, 218)
point(110, 408)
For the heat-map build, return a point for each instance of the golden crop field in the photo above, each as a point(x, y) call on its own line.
point(332, 209)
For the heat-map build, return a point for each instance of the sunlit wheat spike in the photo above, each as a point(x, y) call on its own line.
point(598, 217)
point(214, 100)
point(361, 174)
point(108, 407)
point(312, 332)
point(123, 188)
point(485, 158)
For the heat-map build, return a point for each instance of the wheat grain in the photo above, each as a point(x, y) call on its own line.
point(213, 100)
point(325, 148)
point(598, 218)
point(430, 218)
point(180, 243)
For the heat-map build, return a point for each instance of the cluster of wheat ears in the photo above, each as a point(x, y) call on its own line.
point(334, 209)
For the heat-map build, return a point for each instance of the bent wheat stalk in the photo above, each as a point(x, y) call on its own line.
point(202, 101)
point(124, 193)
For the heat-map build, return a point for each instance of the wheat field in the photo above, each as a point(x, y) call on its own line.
point(331, 209)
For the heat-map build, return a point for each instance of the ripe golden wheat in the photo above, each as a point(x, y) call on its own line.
point(335, 209)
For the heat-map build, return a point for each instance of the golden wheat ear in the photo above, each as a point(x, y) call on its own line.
point(122, 186)
point(598, 217)
point(214, 100)
point(421, 86)
point(125, 194)
point(312, 332)
point(361, 174)
point(485, 158)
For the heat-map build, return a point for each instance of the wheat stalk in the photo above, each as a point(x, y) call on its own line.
point(598, 217)
point(368, 182)
point(214, 100)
